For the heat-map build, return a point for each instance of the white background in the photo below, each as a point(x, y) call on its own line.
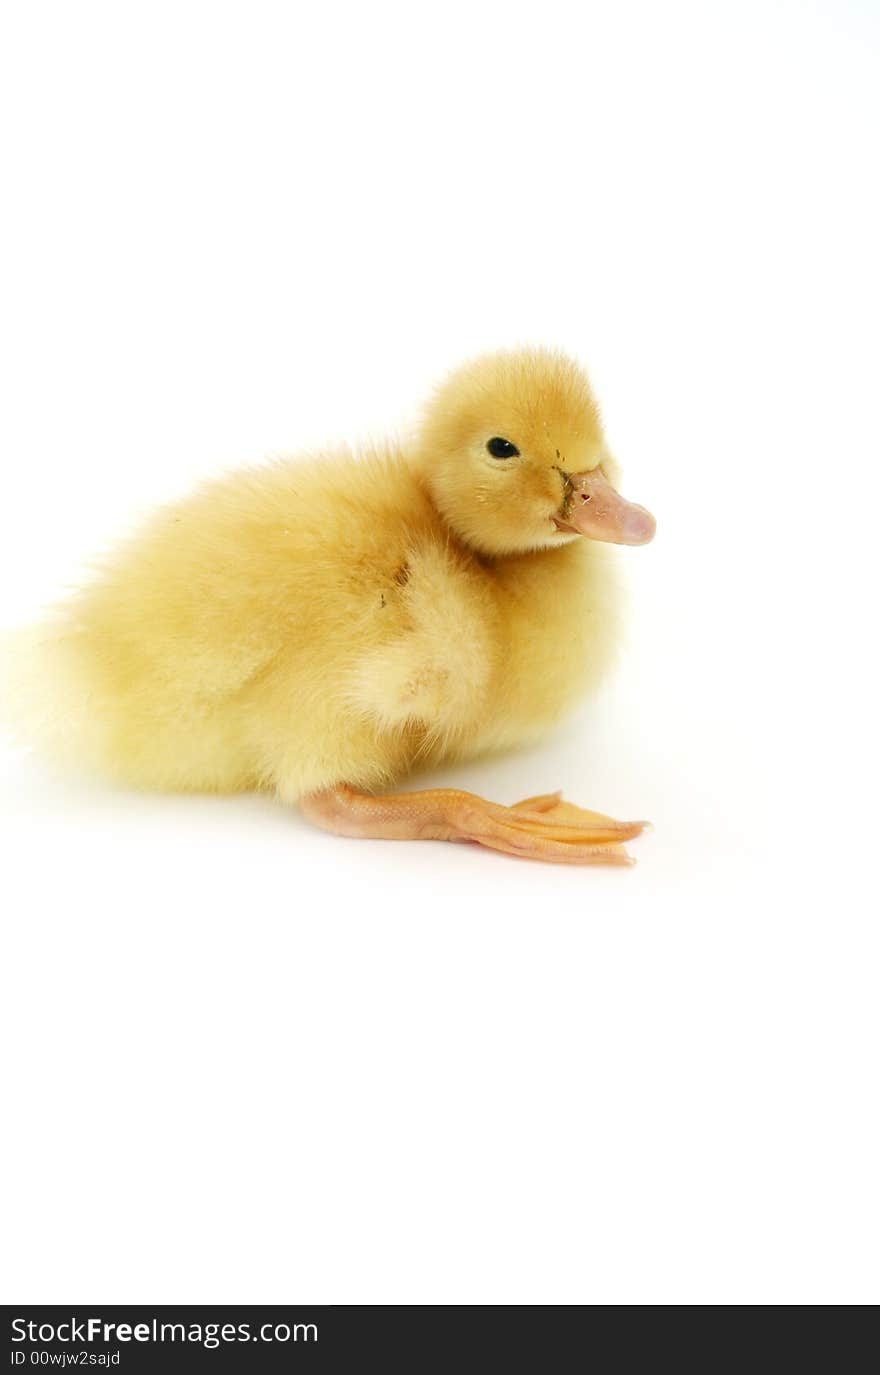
point(250, 1062)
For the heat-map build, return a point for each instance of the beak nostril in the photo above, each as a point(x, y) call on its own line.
point(585, 496)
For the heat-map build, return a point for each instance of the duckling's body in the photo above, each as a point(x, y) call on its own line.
point(321, 628)
point(245, 640)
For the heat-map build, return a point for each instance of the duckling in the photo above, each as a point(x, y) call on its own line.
point(322, 627)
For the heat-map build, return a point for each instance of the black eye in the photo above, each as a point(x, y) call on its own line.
point(502, 448)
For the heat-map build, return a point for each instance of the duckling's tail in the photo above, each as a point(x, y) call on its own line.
point(45, 697)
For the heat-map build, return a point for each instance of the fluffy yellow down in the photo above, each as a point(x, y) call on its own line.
point(342, 618)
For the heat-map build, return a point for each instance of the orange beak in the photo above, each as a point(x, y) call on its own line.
point(593, 508)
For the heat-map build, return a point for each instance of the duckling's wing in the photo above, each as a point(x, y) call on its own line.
point(435, 663)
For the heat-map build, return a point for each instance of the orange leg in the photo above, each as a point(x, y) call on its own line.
point(539, 828)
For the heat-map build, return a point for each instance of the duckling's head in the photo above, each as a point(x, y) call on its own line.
point(515, 457)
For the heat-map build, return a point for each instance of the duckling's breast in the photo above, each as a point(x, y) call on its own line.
point(558, 624)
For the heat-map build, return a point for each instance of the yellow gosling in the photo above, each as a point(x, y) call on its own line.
point(321, 627)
